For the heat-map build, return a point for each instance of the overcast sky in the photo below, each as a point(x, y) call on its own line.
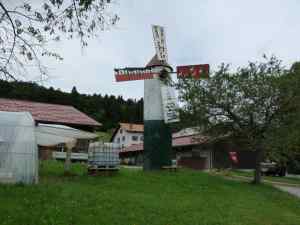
point(198, 31)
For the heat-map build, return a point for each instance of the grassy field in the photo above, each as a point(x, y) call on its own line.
point(136, 198)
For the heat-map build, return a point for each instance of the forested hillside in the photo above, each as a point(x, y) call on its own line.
point(107, 109)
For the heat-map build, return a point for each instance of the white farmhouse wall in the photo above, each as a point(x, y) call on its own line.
point(124, 138)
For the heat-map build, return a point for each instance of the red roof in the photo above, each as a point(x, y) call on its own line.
point(176, 142)
point(156, 62)
point(43, 112)
point(132, 127)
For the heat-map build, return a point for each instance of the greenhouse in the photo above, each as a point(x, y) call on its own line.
point(18, 148)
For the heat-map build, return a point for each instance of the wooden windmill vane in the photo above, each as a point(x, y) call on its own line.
point(144, 73)
point(160, 104)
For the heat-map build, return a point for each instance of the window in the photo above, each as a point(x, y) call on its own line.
point(81, 145)
point(142, 138)
point(134, 138)
point(123, 138)
point(118, 140)
point(121, 131)
point(60, 147)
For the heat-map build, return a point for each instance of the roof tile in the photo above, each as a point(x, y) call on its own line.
point(44, 112)
point(132, 127)
point(176, 142)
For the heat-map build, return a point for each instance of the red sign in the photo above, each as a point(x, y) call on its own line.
point(134, 73)
point(233, 157)
point(128, 77)
point(196, 71)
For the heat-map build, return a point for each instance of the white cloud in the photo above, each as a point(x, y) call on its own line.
point(206, 31)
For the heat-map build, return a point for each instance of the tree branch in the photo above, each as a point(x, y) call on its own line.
point(14, 31)
point(22, 14)
point(79, 24)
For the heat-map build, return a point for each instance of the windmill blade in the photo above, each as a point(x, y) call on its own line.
point(159, 39)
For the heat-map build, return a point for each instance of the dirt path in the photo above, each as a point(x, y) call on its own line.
point(292, 190)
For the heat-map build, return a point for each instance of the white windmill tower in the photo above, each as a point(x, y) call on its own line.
point(160, 105)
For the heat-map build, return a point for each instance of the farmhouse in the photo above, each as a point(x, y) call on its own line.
point(57, 122)
point(128, 134)
point(196, 151)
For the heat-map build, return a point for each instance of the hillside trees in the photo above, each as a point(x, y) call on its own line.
point(108, 110)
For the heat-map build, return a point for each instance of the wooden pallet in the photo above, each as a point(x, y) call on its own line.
point(106, 171)
point(170, 168)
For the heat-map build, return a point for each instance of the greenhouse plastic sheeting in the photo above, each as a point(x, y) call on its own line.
point(18, 148)
point(53, 134)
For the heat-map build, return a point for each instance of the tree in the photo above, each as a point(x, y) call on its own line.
point(26, 29)
point(283, 141)
point(243, 104)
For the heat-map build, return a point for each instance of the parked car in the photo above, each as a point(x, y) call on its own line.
point(272, 169)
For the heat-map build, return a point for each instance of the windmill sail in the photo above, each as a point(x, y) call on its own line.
point(159, 39)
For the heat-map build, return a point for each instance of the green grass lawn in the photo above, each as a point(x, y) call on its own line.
point(134, 197)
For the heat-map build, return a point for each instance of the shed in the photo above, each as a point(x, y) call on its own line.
point(51, 135)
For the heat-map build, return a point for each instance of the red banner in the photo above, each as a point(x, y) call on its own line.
point(128, 77)
point(196, 71)
point(134, 73)
point(233, 157)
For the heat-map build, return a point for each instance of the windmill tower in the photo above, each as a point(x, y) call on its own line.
point(160, 105)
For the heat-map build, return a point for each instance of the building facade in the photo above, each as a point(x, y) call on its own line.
point(196, 152)
point(128, 134)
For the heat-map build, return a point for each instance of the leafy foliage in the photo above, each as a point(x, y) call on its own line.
point(26, 29)
point(108, 110)
point(283, 142)
point(242, 103)
point(246, 104)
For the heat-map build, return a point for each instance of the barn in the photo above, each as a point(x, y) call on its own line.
point(54, 119)
point(51, 113)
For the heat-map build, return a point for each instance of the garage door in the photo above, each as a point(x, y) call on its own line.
point(198, 163)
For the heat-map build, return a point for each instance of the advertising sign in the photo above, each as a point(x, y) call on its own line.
point(233, 157)
point(196, 71)
point(133, 73)
point(170, 105)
